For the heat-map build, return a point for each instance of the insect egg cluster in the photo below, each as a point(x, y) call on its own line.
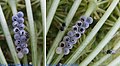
point(73, 35)
point(20, 35)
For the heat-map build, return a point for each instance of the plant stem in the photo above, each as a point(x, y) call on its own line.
point(103, 2)
point(101, 60)
point(77, 52)
point(51, 14)
point(43, 10)
point(8, 37)
point(40, 56)
point(2, 58)
point(104, 42)
point(117, 11)
point(115, 61)
point(118, 5)
point(91, 7)
point(12, 4)
point(25, 62)
point(114, 18)
point(111, 16)
point(117, 46)
point(97, 16)
point(55, 61)
point(101, 10)
point(61, 33)
point(32, 32)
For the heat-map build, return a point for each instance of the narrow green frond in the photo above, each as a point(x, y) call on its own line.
point(114, 62)
point(12, 4)
point(33, 38)
point(51, 14)
point(2, 58)
point(43, 10)
point(8, 37)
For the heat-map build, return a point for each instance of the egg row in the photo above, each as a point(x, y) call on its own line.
point(20, 35)
point(73, 35)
